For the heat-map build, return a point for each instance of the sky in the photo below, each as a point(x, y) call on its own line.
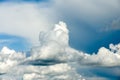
point(92, 24)
point(14, 42)
point(59, 39)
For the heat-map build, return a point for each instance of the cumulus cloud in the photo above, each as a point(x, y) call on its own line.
point(9, 58)
point(53, 72)
point(55, 45)
point(104, 57)
point(54, 48)
point(58, 38)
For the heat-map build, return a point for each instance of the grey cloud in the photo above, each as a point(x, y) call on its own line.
point(90, 11)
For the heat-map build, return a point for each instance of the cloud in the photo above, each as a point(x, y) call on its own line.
point(5, 41)
point(54, 48)
point(89, 11)
point(104, 57)
point(9, 58)
point(52, 43)
point(114, 25)
point(12, 61)
point(55, 45)
point(25, 19)
point(58, 71)
point(28, 19)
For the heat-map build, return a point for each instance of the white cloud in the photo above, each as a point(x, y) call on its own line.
point(55, 47)
point(25, 19)
point(58, 71)
point(9, 58)
point(12, 61)
point(104, 57)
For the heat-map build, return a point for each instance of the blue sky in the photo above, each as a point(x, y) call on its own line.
point(92, 24)
point(14, 42)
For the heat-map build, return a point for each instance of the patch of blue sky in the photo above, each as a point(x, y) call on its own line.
point(88, 39)
point(14, 42)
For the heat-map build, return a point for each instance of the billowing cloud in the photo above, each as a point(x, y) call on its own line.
point(9, 58)
point(55, 46)
point(26, 69)
point(104, 57)
point(55, 59)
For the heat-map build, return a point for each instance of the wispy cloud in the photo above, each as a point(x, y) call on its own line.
point(5, 41)
point(27, 19)
point(24, 19)
point(91, 11)
point(114, 25)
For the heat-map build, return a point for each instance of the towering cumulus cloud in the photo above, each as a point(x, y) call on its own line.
point(53, 51)
point(54, 59)
point(54, 45)
point(48, 61)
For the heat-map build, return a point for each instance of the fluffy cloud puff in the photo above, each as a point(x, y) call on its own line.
point(9, 58)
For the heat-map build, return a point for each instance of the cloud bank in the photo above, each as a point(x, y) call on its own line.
point(54, 59)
